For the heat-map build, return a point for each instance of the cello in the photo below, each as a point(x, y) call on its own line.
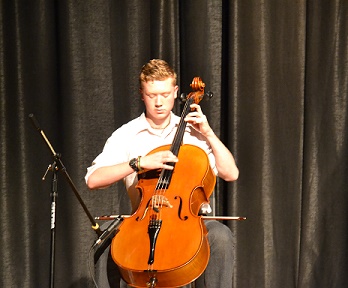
point(164, 243)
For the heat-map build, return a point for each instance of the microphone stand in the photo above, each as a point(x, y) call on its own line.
point(54, 195)
point(54, 167)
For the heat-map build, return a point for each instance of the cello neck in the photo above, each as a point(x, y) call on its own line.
point(175, 147)
point(194, 97)
point(166, 175)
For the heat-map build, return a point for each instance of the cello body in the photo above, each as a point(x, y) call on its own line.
point(182, 249)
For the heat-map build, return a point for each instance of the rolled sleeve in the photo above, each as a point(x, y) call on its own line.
point(113, 153)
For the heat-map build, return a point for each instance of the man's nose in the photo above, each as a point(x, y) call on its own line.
point(158, 101)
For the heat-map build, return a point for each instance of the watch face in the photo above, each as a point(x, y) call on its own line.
point(133, 164)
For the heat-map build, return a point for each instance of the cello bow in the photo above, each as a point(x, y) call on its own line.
point(112, 217)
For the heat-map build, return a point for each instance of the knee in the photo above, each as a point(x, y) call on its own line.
point(220, 237)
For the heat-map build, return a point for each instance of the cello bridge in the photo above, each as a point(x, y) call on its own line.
point(159, 201)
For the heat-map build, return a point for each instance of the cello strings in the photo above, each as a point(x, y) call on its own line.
point(158, 199)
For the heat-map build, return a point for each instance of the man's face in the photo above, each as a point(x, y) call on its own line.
point(159, 97)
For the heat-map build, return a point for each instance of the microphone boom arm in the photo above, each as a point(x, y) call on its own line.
point(60, 166)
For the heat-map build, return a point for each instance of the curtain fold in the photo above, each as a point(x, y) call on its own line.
point(279, 74)
point(267, 75)
point(325, 163)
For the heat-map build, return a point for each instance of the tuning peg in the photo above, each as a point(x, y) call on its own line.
point(183, 97)
point(209, 94)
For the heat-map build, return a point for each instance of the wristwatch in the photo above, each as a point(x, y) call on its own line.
point(133, 163)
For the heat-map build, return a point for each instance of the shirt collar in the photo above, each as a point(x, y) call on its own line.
point(144, 125)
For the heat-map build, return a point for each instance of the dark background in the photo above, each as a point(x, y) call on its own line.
point(279, 74)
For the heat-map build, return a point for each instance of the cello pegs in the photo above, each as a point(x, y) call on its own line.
point(183, 97)
point(209, 94)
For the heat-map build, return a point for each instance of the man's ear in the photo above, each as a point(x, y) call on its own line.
point(176, 89)
point(141, 94)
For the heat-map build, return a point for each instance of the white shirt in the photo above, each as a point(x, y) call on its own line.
point(138, 138)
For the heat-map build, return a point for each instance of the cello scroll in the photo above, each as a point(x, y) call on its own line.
point(198, 93)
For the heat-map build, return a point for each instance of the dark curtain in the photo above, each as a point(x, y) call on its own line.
point(279, 74)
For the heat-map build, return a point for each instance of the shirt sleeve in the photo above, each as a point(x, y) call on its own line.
point(114, 152)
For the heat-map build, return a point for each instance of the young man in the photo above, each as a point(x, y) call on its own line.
point(121, 160)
